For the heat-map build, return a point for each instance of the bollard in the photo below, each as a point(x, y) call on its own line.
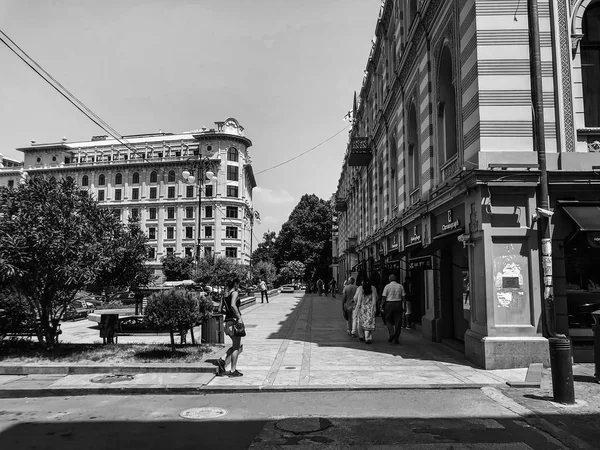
point(562, 370)
point(596, 328)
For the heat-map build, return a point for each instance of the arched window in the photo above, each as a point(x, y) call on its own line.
point(101, 180)
point(414, 169)
point(446, 111)
point(118, 179)
point(232, 154)
point(590, 65)
point(393, 173)
point(171, 178)
point(153, 177)
point(380, 212)
point(135, 178)
point(85, 181)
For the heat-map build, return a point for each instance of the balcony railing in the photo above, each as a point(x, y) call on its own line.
point(415, 196)
point(351, 244)
point(449, 169)
point(360, 151)
point(341, 205)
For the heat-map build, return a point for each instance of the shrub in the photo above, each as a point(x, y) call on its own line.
point(113, 304)
point(176, 310)
point(15, 313)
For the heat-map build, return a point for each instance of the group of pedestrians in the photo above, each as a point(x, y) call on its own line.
point(323, 287)
point(360, 306)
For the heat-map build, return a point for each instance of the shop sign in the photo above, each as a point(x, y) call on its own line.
point(416, 236)
point(393, 242)
point(450, 221)
point(423, 262)
point(451, 224)
point(593, 238)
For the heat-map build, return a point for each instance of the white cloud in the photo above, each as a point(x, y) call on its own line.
point(272, 196)
point(270, 219)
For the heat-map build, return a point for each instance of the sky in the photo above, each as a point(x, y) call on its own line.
point(286, 70)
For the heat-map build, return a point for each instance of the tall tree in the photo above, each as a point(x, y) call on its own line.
point(264, 270)
point(306, 236)
point(55, 240)
point(264, 251)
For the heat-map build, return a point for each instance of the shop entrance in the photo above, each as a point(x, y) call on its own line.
point(452, 265)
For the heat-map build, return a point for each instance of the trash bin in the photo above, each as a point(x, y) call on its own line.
point(212, 330)
point(109, 328)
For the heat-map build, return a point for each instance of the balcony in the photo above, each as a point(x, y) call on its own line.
point(351, 244)
point(341, 205)
point(360, 151)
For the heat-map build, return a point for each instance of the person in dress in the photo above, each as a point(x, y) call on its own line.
point(231, 306)
point(365, 309)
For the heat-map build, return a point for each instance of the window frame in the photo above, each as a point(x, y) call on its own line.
point(233, 154)
point(233, 173)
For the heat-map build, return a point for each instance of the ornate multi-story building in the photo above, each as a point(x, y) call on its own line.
point(441, 179)
point(160, 179)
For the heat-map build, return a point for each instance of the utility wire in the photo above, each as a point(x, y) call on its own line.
point(33, 65)
point(303, 153)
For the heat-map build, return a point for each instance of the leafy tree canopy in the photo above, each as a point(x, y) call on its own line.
point(55, 239)
point(219, 271)
point(306, 236)
point(264, 270)
point(177, 268)
point(265, 249)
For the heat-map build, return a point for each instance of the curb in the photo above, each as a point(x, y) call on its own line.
point(206, 366)
point(62, 369)
point(536, 420)
point(205, 389)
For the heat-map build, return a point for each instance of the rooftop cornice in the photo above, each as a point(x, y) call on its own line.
point(223, 136)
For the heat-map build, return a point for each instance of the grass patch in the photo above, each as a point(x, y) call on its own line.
point(32, 353)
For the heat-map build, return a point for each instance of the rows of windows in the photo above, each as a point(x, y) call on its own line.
point(230, 252)
point(232, 192)
point(188, 213)
point(232, 174)
point(230, 232)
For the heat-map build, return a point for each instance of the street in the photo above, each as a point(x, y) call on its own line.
point(409, 419)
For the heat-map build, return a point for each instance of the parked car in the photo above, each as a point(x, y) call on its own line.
point(288, 288)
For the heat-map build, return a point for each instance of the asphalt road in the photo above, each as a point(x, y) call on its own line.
point(409, 419)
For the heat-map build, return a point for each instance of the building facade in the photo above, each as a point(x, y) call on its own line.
point(144, 176)
point(440, 181)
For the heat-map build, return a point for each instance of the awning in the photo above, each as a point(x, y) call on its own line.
point(439, 241)
point(586, 217)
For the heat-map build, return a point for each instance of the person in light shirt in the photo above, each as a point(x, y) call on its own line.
point(391, 308)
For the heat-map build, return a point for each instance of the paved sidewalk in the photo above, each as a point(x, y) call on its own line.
point(300, 341)
point(295, 342)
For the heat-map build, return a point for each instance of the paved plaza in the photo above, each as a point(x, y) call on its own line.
point(300, 340)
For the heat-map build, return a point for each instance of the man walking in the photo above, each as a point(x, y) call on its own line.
point(333, 285)
point(391, 308)
point(263, 290)
point(348, 304)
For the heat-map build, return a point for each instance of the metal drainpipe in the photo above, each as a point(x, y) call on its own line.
point(560, 345)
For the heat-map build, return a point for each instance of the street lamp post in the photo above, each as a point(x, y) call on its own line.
point(203, 162)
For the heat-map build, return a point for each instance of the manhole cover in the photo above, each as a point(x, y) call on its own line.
point(202, 413)
point(112, 378)
point(303, 425)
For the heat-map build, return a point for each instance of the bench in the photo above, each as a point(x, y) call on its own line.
point(30, 333)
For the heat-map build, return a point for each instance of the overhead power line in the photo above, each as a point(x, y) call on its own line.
point(304, 152)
